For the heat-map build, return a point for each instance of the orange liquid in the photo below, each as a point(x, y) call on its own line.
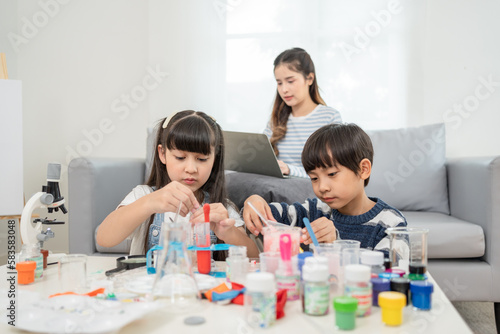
point(204, 259)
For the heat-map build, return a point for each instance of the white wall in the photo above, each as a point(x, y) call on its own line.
point(89, 55)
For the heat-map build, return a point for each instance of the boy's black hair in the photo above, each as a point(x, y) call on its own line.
point(332, 144)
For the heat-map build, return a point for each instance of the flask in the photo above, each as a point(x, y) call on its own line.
point(357, 285)
point(375, 260)
point(237, 264)
point(31, 252)
point(260, 300)
point(315, 289)
point(174, 282)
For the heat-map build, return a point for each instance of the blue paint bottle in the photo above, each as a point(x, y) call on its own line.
point(421, 294)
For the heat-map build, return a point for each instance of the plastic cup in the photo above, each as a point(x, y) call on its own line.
point(269, 261)
point(272, 238)
point(73, 273)
point(408, 246)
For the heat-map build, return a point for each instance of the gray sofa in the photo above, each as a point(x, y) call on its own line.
point(458, 200)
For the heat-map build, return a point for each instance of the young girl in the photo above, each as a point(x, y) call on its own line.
point(188, 167)
point(298, 109)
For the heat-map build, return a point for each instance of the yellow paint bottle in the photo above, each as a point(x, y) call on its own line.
point(392, 304)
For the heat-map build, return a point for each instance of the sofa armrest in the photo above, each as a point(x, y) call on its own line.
point(474, 193)
point(95, 188)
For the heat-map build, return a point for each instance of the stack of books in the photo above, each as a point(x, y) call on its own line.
point(3, 67)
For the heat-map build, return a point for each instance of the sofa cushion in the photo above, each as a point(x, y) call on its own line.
point(409, 170)
point(448, 237)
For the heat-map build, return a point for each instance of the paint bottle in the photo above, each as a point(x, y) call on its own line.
point(287, 275)
point(301, 260)
point(357, 285)
point(315, 289)
point(260, 300)
point(421, 294)
point(392, 304)
point(237, 264)
point(401, 284)
point(31, 252)
point(25, 272)
point(379, 285)
point(375, 260)
point(345, 312)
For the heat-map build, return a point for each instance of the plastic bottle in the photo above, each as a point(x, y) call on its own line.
point(401, 284)
point(287, 275)
point(237, 264)
point(375, 260)
point(379, 285)
point(260, 300)
point(315, 289)
point(345, 312)
point(421, 294)
point(31, 252)
point(358, 285)
point(392, 304)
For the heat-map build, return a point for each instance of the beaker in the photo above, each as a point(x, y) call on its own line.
point(174, 283)
point(272, 236)
point(408, 247)
point(333, 254)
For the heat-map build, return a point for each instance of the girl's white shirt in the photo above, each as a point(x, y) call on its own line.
point(139, 234)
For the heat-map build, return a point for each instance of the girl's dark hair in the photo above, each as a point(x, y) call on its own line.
point(332, 144)
point(297, 60)
point(191, 131)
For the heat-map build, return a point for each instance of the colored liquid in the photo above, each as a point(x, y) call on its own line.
point(272, 239)
point(204, 259)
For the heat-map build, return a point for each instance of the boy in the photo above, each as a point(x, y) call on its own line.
point(338, 158)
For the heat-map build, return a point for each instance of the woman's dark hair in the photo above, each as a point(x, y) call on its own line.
point(297, 60)
point(332, 144)
point(191, 131)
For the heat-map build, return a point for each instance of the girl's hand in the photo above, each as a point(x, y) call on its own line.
point(284, 167)
point(223, 228)
point(218, 212)
point(324, 230)
point(167, 199)
point(251, 218)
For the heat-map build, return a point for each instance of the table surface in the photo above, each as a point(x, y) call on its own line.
point(222, 319)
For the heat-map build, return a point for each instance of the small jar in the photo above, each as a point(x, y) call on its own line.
point(260, 300)
point(31, 252)
point(417, 272)
point(301, 260)
point(237, 264)
point(421, 294)
point(288, 278)
point(398, 271)
point(388, 275)
point(401, 284)
point(375, 260)
point(392, 304)
point(379, 285)
point(357, 284)
point(25, 272)
point(345, 312)
point(315, 289)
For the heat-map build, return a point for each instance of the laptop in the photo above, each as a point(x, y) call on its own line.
point(250, 153)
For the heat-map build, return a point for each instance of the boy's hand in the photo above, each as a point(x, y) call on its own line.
point(324, 230)
point(251, 218)
point(167, 199)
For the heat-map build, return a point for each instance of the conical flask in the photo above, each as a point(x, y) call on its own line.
point(175, 286)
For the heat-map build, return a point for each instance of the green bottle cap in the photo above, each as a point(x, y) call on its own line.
point(345, 304)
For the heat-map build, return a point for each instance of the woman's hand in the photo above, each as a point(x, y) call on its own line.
point(323, 229)
point(284, 167)
point(167, 199)
point(251, 218)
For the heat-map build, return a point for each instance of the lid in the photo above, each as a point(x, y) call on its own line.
point(391, 299)
point(240, 251)
point(260, 282)
point(398, 271)
point(418, 268)
point(26, 266)
point(357, 273)
point(316, 260)
point(315, 272)
point(421, 287)
point(388, 275)
point(345, 304)
point(304, 255)
point(400, 283)
point(372, 258)
point(381, 284)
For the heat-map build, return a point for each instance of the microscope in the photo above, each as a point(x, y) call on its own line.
point(50, 198)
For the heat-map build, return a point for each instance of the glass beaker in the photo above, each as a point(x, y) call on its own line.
point(272, 236)
point(174, 283)
point(408, 247)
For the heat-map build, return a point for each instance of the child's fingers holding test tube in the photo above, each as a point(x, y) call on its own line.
point(217, 213)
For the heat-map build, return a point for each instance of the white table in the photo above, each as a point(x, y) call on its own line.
point(442, 318)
